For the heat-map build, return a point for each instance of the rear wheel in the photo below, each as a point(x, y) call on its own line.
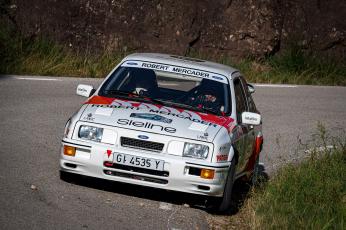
point(255, 174)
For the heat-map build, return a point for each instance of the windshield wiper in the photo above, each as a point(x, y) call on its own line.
point(137, 97)
point(121, 93)
point(185, 106)
point(210, 111)
point(133, 96)
point(127, 95)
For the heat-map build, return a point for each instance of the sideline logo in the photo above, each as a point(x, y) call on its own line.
point(146, 125)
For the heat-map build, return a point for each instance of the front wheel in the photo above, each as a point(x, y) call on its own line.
point(224, 203)
point(67, 177)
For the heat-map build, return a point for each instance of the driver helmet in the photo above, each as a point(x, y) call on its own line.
point(144, 81)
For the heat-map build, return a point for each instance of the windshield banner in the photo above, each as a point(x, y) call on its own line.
point(177, 70)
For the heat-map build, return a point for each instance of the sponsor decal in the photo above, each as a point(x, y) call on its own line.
point(147, 106)
point(202, 137)
point(223, 157)
point(104, 111)
point(130, 107)
point(152, 117)
point(82, 90)
point(157, 111)
point(198, 127)
point(208, 120)
point(177, 69)
point(147, 125)
point(143, 137)
point(251, 118)
point(224, 148)
point(89, 117)
point(180, 115)
point(132, 63)
point(217, 77)
point(155, 66)
point(192, 72)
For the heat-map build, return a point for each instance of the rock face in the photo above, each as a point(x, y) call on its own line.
point(236, 28)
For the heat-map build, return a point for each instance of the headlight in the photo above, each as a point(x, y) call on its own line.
point(195, 151)
point(90, 133)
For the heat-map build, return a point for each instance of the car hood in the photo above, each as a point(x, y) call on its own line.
point(146, 117)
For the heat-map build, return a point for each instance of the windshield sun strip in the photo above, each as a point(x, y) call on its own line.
point(225, 79)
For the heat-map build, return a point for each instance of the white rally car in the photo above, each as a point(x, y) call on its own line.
point(167, 122)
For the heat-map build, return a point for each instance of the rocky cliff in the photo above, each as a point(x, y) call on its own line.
point(236, 28)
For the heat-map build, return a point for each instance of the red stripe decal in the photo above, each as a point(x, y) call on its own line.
point(224, 121)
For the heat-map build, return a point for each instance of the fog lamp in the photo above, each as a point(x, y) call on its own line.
point(69, 150)
point(207, 173)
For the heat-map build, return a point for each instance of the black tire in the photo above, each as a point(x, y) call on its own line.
point(67, 177)
point(224, 203)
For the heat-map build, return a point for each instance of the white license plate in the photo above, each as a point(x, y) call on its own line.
point(140, 162)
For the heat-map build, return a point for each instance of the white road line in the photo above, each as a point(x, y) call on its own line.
point(276, 85)
point(37, 79)
point(320, 149)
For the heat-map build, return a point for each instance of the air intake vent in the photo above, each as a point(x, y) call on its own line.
point(140, 144)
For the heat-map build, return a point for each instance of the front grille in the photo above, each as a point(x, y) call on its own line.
point(140, 144)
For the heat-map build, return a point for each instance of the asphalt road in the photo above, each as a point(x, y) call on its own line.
point(33, 113)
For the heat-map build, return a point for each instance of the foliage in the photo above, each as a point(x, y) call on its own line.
point(39, 56)
point(310, 195)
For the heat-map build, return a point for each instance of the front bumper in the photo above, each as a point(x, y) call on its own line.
point(179, 173)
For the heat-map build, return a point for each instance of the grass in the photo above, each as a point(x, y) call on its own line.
point(311, 195)
point(294, 66)
point(39, 56)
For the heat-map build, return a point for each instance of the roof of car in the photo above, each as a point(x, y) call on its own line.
point(183, 62)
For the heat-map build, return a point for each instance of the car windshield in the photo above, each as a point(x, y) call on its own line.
point(174, 89)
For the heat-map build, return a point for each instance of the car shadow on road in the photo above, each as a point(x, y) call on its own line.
point(240, 191)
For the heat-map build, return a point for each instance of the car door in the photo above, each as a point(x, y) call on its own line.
point(251, 135)
point(245, 133)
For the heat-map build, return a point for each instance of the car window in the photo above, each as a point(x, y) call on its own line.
point(251, 103)
point(239, 98)
point(171, 89)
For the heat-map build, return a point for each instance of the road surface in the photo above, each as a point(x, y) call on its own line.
point(33, 112)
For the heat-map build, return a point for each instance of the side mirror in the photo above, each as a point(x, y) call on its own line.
point(251, 88)
point(249, 118)
point(85, 90)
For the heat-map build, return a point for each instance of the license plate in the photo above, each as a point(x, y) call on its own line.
point(140, 162)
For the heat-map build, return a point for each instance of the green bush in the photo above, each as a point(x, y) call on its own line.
point(310, 195)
